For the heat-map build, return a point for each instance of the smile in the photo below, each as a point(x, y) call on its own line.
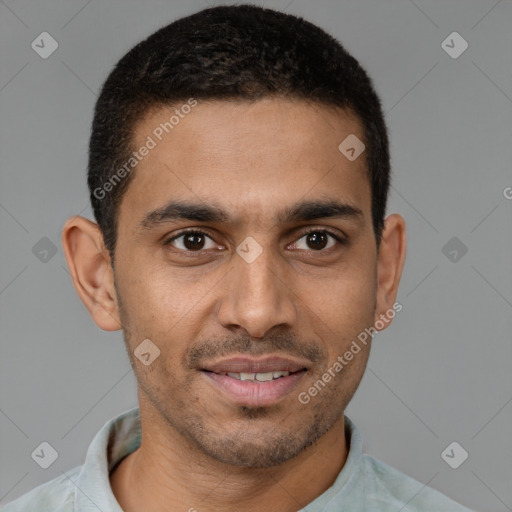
point(254, 389)
point(256, 377)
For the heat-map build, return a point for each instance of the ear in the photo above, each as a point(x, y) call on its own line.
point(89, 264)
point(390, 263)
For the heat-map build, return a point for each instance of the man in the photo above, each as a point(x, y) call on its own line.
point(238, 171)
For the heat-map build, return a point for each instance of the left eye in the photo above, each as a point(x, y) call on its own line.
point(318, 240)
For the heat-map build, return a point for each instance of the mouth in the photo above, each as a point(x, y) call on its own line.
point(255, 382)
point(257, 377)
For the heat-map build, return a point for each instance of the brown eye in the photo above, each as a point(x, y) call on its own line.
point(318, 240)
point(191, 241)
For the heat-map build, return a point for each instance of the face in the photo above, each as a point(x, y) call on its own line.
point(267, 264)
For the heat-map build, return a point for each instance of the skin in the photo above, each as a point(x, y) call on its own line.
point(199, 449)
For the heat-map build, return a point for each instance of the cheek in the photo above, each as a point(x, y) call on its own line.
point(150, 293)
point(357, 287)
point(158, 306)
point(346, 307)
point(147, 307)
point(347, 300)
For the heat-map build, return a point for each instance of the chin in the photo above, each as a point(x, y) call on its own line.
point(264, 447)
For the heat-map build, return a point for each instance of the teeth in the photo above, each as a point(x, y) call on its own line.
point(258, 377)
point(262, 377)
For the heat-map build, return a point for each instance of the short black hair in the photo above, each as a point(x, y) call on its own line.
point(230, 53)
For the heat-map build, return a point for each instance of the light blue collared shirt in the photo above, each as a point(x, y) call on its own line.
point(363, 485)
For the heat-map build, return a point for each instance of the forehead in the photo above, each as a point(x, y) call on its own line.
point(253, 158)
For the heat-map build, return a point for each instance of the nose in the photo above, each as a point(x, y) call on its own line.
point(259, 296)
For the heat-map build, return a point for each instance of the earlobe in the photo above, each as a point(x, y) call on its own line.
point(89, 264)
point(390, 263)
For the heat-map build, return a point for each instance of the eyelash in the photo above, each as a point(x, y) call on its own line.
point(338, 238)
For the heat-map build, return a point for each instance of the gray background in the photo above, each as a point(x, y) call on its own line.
point(440, 373)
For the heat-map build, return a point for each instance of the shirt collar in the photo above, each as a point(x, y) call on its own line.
point(122, 435)
point(119, 437)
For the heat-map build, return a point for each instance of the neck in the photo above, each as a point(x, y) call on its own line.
point(169, 472)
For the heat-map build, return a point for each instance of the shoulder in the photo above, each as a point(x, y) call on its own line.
point(57, 495)
point(390, 489)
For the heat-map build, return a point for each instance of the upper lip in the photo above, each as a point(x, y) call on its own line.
point(266, 364)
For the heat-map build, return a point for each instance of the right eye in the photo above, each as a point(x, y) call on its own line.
point(191, 241)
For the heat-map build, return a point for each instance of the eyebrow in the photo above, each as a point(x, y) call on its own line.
point(303, 211)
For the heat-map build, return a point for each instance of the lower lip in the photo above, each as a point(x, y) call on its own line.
point(246, 392)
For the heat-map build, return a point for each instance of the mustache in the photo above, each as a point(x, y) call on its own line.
point(284, 344)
